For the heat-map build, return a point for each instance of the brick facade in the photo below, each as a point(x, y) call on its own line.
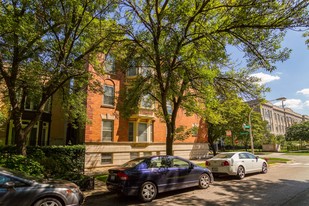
point(120, 147)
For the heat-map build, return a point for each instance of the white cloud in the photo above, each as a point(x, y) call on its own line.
point(293, 103)
point(265, 78)
point(304, 92)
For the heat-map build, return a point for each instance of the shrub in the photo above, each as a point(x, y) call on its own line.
point(23, 164)
point(59, 162)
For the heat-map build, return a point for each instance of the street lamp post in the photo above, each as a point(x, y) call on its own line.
point(250, 132)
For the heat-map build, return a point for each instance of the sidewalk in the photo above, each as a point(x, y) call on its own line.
point(99, 189)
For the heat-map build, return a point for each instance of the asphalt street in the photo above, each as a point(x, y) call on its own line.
point(283, 185)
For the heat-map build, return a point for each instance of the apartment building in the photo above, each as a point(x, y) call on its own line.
point(278, 118)
point(109, 138)
point(112, 140)
point(51, 129)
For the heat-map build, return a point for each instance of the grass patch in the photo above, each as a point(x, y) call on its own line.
point(298, 153)
point(271, 160)
point(102, 178)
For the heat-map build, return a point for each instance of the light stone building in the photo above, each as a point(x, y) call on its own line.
point(278, 118)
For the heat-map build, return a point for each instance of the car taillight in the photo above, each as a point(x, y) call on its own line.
point(225, 163)
point(122, 176)
point(207, 163)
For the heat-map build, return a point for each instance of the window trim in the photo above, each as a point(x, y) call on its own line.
point(109, 62)
point(104, 96)
point(112, 130)
point(109, 154)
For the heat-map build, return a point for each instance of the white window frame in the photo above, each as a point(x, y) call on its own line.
point(111, 130)
point(106, 158)
point(146, 102)
point(109, 64)
point(105, 97)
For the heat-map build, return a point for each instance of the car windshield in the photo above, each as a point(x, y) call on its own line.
point(224, 155)
point(134, 162)
point(19, 174)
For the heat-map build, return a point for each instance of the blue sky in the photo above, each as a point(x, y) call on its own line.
point(291, 79)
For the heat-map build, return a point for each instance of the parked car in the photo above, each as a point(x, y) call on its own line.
point(147, 176)
point(18, 189)
point(236, 163)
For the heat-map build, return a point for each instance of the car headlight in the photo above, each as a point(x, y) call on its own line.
point(72, 190)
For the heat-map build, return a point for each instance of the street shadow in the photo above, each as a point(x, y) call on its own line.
point(253, 191)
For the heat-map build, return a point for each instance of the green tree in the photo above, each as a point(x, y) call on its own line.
point(45, 46)
point(298, 132)
point(230, 114)
point(184, 45)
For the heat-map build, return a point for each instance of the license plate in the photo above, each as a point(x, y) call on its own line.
point(215, 169)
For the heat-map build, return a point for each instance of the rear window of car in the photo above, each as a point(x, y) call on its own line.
point(224, 155)
point(133, 163)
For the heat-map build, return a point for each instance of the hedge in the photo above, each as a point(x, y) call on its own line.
point(59, 162)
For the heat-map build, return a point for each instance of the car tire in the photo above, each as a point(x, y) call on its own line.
point(148, 192)
point(241, 172)
point(48, 201)
point(264, 168)
point(204, 181)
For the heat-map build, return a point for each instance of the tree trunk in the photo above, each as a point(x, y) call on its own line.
point(170, 138)
point(20, 136)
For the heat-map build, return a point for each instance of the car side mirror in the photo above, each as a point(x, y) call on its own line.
point(9, 185)
point(191, 166)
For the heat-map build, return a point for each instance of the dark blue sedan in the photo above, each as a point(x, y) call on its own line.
point(147, 176)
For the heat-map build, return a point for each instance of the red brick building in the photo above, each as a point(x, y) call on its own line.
point(112, 140)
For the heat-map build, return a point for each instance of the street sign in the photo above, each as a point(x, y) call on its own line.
point(244, 132)
point(244, 126)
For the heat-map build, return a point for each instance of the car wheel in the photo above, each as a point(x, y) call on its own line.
point(148, 192)
point(204, 181)
point(241, 172)
point(264, 168)
point(49, 201)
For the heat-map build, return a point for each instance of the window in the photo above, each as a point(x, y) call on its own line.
point(106, 158)
point(180, 163)
point(155, 162)
point(134, 155)
point(146, 102)
point(169, 108)
point(147, 154)
point(107, 130)
point(4, 179)
point(131, 131)
point(47, 106)
point(45, 134)
point(132, 70)
point(30, 104)
point(109, 95)
point(142, 132)
point(109, 64)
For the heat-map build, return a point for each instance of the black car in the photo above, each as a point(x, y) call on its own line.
point(148, 176)
point(17, 189)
